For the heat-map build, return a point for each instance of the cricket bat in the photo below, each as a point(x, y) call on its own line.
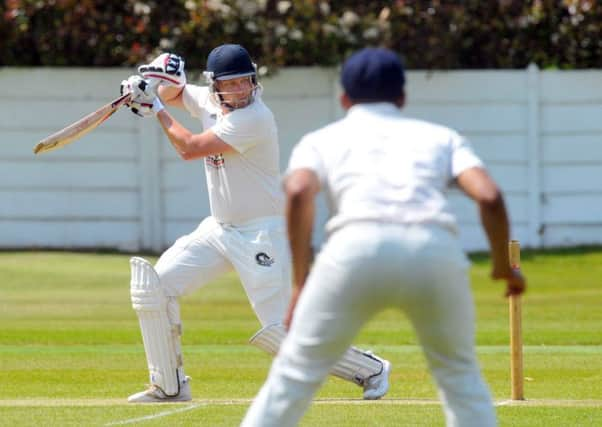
point(81, 127)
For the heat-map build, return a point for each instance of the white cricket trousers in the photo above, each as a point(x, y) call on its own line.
point(363, 269)
point(257, 250)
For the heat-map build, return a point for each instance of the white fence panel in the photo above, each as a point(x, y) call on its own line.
point(572, 157)
point(124, 187)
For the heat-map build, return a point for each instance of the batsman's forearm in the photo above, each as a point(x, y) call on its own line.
point(300, 211)
point(177, 134)
point(171, 95)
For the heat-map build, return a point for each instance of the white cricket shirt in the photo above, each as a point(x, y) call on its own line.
point(244, 184)
point(377, 165)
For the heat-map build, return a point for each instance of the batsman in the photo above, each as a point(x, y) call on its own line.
point(245, 232)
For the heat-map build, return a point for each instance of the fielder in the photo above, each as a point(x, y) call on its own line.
point(392, 243)
point(246, 230)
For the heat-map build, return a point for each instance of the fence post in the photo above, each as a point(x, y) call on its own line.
point(534, 156)
point(149, 149)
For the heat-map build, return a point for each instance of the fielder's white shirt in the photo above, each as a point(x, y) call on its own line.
point(245, 184)
point(377, 165)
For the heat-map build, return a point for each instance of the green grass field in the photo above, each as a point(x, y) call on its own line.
point(71, 352)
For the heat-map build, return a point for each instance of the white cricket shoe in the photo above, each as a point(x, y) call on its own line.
point(154, 394)
point(378, 385)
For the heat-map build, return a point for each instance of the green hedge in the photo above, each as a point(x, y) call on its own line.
point(430, 34)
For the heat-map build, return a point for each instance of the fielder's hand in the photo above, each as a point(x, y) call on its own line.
point(515, 281)
point(167, 68)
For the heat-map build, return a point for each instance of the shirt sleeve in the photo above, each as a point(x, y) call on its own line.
point(305, 155)
point(194, 99)
point(463, 156)
point(245, 128)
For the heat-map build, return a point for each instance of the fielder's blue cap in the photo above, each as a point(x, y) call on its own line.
point(373, 74)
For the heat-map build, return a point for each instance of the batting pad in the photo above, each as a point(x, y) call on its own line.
point(159, 336)
point(355, 365)
point(269, 338)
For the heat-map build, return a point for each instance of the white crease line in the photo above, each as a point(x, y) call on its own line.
point(159, 415)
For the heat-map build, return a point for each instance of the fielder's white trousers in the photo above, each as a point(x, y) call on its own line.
point(363, 269)
point(256, 250)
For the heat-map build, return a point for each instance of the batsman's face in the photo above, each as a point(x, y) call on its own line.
point(235, 92)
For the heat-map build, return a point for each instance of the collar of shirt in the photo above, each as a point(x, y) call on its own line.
point(377, 108)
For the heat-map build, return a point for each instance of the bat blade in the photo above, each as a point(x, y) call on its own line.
point(81, 127)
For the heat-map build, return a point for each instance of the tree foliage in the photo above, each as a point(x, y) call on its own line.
point(430, 34)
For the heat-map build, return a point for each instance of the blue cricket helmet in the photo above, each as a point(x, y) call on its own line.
point(229, 61)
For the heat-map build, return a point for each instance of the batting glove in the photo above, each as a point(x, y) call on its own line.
point(168, 68)
point(143, 96)
point(134, 85)
point(145, 109)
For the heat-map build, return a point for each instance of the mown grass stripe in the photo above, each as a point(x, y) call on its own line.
point(236, 348)
point(43, 402)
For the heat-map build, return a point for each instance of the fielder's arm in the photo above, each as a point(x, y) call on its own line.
point(480, 187)
point(301, 187)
